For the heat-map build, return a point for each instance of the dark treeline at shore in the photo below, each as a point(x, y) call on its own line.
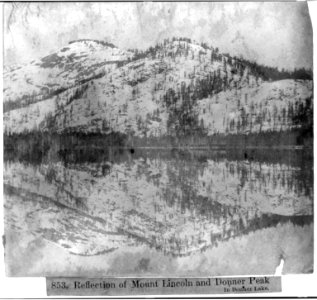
point(265, 147)
point(57, 149)
point(39, 141)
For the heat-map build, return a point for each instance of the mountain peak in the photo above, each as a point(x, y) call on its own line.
point(79, 61)
point(92, 41)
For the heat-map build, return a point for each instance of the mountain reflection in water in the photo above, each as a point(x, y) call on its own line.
point(177, 202)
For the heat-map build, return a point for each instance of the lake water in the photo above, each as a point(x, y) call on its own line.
point(158, 212)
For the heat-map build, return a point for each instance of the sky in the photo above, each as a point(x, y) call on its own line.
point(275, 34)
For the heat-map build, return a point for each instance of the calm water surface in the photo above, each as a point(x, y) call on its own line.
point(183, 207)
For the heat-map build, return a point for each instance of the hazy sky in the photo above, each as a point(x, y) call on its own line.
point(276, 34)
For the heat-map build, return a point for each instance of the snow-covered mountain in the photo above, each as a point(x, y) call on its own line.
point(176, 88)
point(72, 65)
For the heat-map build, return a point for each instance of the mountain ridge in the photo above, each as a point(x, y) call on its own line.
point(177, 88)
